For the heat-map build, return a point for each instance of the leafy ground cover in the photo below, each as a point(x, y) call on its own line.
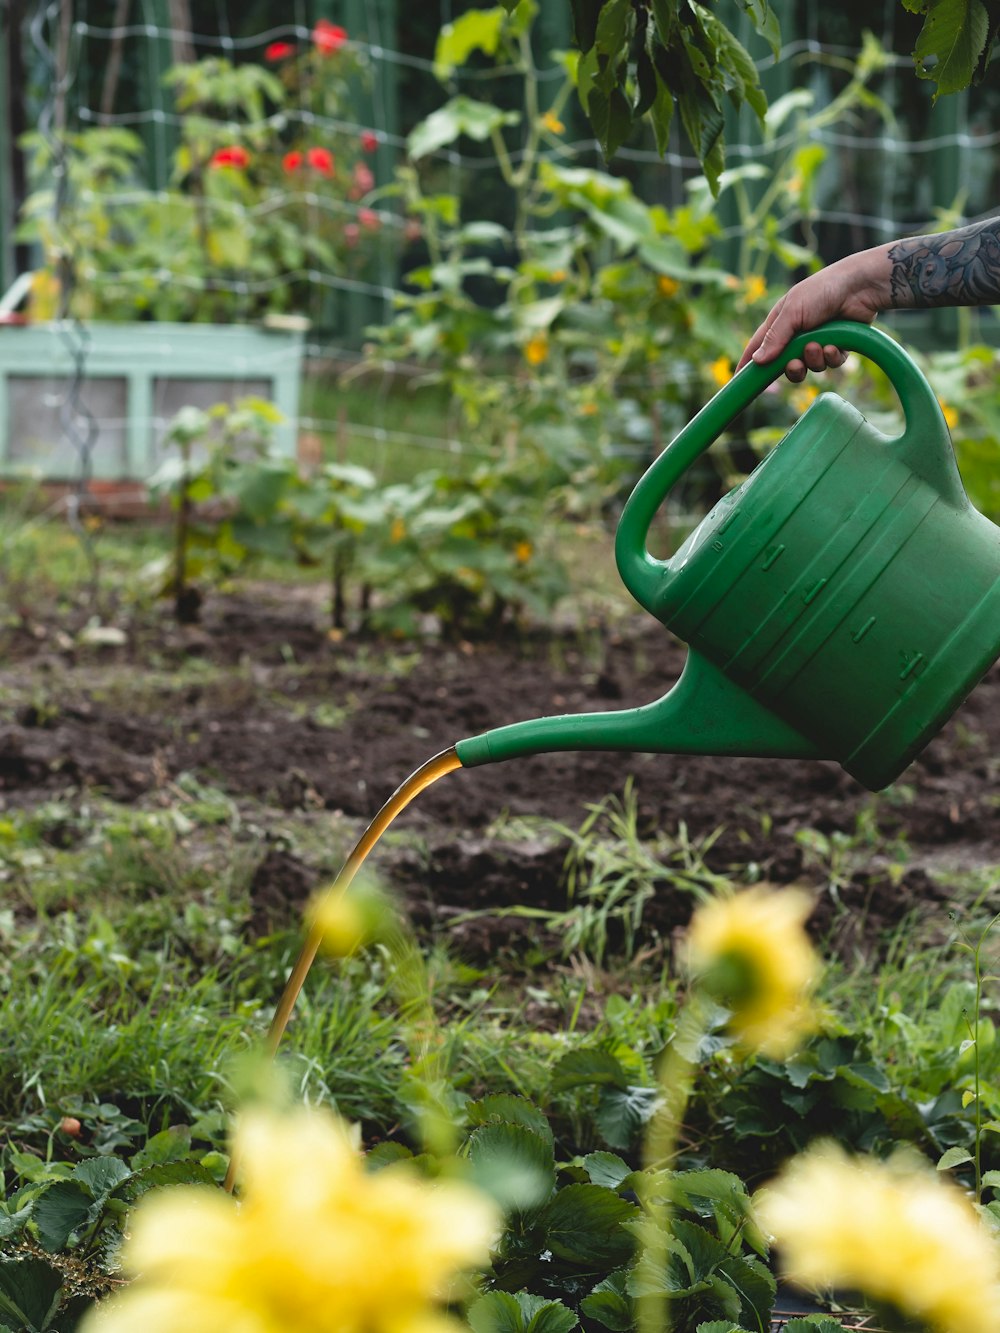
point(170, 797)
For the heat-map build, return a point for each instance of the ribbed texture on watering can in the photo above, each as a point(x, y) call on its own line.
point(838, 588)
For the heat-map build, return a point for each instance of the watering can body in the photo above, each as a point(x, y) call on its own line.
point(840, 603)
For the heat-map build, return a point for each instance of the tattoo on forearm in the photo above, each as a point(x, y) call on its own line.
point(954, 268)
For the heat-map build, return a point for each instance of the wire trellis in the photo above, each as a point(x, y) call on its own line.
point(380, 287)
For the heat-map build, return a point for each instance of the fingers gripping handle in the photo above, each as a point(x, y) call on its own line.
point(643, 575)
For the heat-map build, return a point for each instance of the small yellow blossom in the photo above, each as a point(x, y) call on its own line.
point(804, 396)
point(348, 918)
point(552, 123)
point(315, 1245)
point(398, 530)
point(721, 370)
point(667, 286)
point(536, 350)
point(751, 952)
point(558, 275)
point(895, 1230)
point(949, 413)
point(589, 409)
point(523, 552)
point(754, 289)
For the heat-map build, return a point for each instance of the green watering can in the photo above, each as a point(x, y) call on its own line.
point(839, 604)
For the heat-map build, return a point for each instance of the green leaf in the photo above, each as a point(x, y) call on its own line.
point(29, 1291)
point(951, 43)
point(606, 1168)
point(610, 1304)
point(765, 20)
point(623, 1113)
point(721, 1326)
point(583, 1225)
point(462, 115)
point(519, 1312)
point(101, 1174)
point(505, 1107)
point(586, 14)
point(953, 1157)
point(611, 118)
point(814, 1323)
point(513, 1164)
point(61, 1210)
point(991, 1180)
point(477, 30)
point(582, 1067)
point(612, 25)
point(170, 1145)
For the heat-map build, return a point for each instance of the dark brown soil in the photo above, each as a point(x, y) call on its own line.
point(127, 721)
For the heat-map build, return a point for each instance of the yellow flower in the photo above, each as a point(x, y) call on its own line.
point(949, 413)
point(316, 1244)
point(589, 409)
point(894, 1230)
point(721, 370)
point(552, 123)
point(398, 530)
point(558, 275)
point(754, 289)
point(348, 918)
point(804, 396)
point(667, 286)
point(536, 350)
point(751, 952)
point(523, 552)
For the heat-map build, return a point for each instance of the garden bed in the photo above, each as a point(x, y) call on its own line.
point(261, 702)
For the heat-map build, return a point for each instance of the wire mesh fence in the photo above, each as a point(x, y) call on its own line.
point(316, 102)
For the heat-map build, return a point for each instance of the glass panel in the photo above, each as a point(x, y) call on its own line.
point(46, 435)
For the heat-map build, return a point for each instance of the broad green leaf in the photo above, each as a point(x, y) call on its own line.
point(462, 115)
point(583, 1225)
point(814, 1323)
point(585, 17)
point(29, 1292)
point(163, 1173)
point(991, 1179)
point(519, 1312)
point(953, 1157)
point(101, 1174)
point(611, 118)
point(506, 1108)
point(585, 1067)
point(623, 1113)
point(477, 30)
point(606, 1168)
point(513, 1164)
point(610, 1304)
point(951, 43)
point(170, 1145)
point(720, 1326)
point(612, 25)
point(765, 20)
point(61, 1210)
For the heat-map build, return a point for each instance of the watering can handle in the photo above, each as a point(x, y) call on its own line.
point(644, 576)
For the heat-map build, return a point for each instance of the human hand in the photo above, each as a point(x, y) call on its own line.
point(853, 288)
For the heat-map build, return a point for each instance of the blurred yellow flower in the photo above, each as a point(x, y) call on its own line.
point(589, 409)
point(804, 396)
point(949, 413)
point(754, 289)
point(523, 552)
point(536, 350)
point(398, 530)
point(552, 123)
point(558, 275)
point(721, 370)
point(751, 952)
point(667, 286)
point(894, 1230)
point(348, 918)
point(316, 1244)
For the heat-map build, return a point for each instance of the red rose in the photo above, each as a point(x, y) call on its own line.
point(363, 178)
point(369, 219)
point(328, 37)
point(234, 156)
point(321, 160)
point(369, 141)
point(278, 51)
point(292, 161)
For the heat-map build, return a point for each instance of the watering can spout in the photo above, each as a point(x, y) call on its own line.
point(704, 713)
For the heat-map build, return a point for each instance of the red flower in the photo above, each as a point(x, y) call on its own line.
point(328, 37)
point(369, 141)
point(278, 51)
point(351, 235)
point(234, 156)
point(292, 161)
point(321, 160)
point(369, 219)
point(363, 178)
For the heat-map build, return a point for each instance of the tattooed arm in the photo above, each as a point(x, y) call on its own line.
point(960, 267)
